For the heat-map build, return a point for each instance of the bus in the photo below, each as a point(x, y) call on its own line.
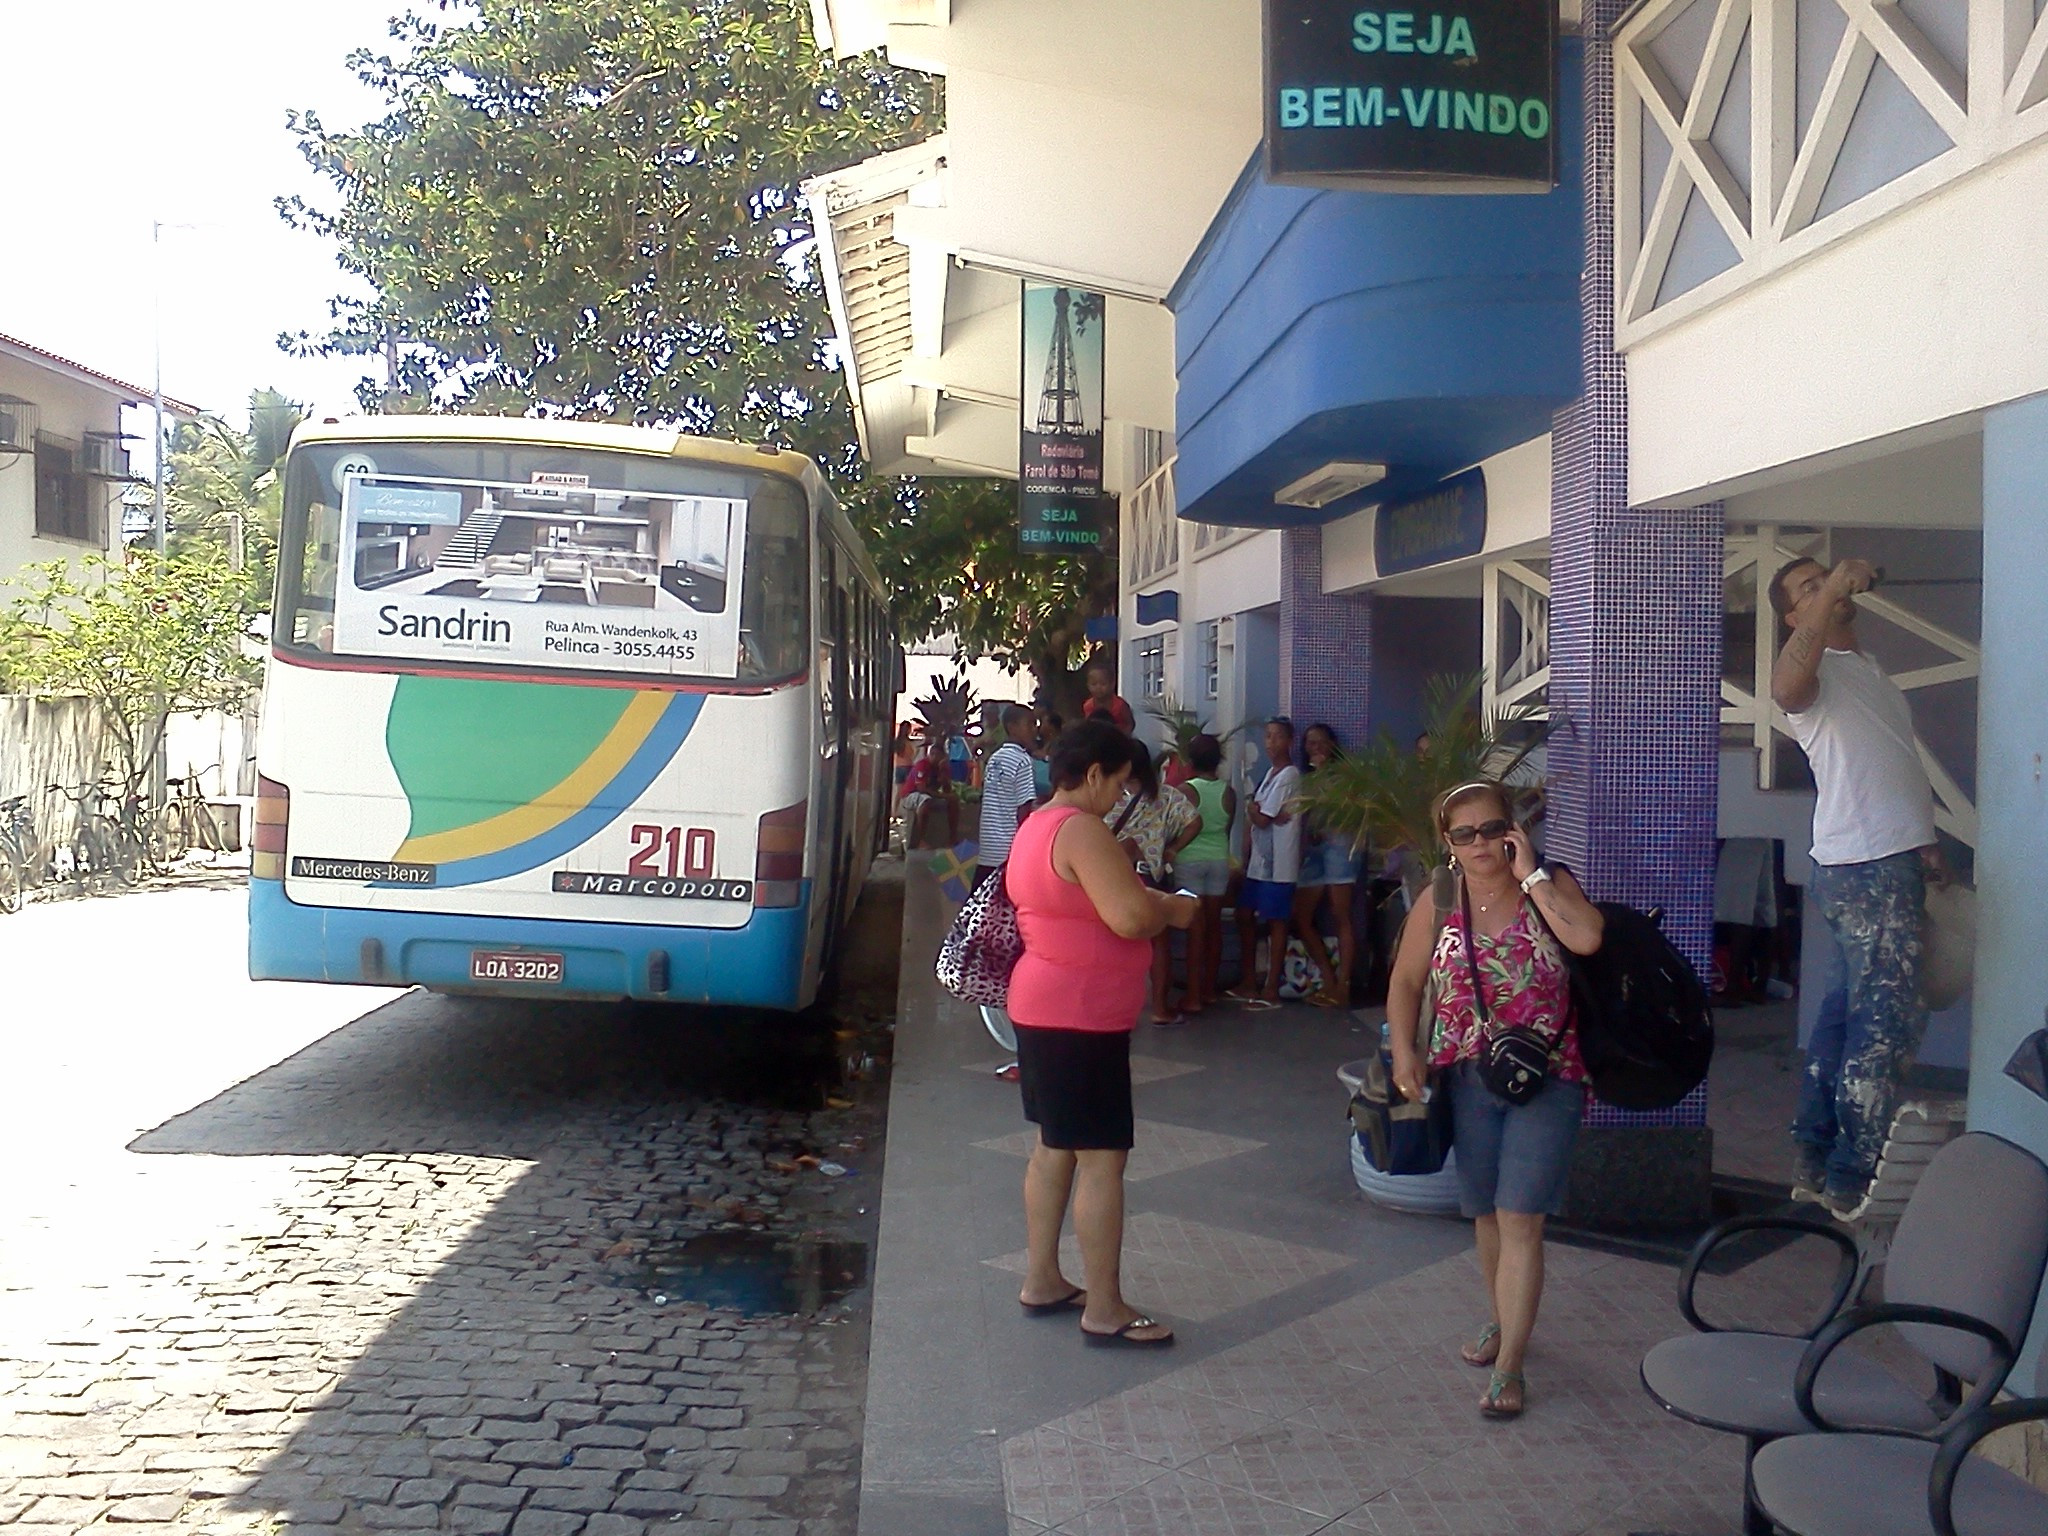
point(555, 709)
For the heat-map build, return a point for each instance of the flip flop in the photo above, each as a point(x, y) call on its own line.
point(1470, 1352)
point(1259, 1004)
point(1173, 1022)
point(1072, 1301)
point(1121, 1338)
point(1491, 1405)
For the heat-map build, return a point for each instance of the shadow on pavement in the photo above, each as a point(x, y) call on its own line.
point(460, 1319)
point(502, 1079)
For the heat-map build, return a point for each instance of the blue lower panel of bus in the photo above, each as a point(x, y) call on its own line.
point(760, 965)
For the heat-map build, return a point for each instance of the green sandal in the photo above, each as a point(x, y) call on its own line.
point(1491, 1405)
point(1471, 1353)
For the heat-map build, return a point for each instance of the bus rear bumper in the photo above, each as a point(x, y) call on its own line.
point(758, 965)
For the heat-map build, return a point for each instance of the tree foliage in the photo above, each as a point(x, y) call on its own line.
point(156, 635)
point(948, 549)
point(590, 208)
point(223, 489)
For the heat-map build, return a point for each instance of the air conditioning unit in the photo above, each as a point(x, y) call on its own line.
point(104, 456)
point(18, 422)
point(1333, 482)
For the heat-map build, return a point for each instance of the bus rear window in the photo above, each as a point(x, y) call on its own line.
point(539, 559)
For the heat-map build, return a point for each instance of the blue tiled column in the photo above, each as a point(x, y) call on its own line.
point(1635, 627)
point(1325, 643)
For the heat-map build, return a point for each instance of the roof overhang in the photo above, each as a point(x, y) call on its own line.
point(92, 378)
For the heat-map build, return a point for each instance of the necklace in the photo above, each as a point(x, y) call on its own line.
point(1487, 906)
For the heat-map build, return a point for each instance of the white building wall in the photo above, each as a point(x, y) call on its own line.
point(69, 411)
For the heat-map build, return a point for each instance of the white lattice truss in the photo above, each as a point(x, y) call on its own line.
point(1767, 554)
point(1515, 618)
point(1997, 103)
point(1151, 547)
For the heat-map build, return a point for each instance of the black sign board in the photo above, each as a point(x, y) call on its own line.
point(1061, 507)
point(1446, 522)
point(1460, 97)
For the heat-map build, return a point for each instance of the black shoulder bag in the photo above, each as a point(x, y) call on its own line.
point(1514, 1062)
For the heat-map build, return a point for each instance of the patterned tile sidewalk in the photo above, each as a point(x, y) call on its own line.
point(1358, 1417)
point(1361, 1418)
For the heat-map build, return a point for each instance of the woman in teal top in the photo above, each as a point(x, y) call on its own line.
point(1204, 868)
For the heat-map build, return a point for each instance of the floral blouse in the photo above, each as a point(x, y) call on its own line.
point(1152, 825)
point(1527, 987)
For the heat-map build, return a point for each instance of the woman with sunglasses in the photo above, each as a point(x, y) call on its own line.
point(1513, 1160)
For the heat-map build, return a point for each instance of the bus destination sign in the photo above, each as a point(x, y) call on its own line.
point(1457, 98)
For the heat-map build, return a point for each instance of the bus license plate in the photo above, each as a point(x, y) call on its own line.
point(515, 965)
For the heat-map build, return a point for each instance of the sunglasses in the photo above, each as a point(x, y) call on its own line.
point(1458, 837)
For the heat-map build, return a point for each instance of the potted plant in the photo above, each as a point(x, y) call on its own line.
point(1182, 726)
point(1385, 792)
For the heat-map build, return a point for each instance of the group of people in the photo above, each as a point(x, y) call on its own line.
point(1089, 921)
point(1084, 852)
point(1109, 861)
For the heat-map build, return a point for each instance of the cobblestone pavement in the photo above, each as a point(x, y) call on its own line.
point(393, 1264)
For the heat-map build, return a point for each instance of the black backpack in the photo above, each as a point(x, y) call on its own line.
point(1646, 1033)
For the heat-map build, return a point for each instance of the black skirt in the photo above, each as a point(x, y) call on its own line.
point(1077, 1087)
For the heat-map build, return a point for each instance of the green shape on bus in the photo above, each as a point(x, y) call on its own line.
point(467, 749)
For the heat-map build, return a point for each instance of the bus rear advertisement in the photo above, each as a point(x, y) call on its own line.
point(563, 709)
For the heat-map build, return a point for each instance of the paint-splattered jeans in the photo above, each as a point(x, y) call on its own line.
point(1871, 1024)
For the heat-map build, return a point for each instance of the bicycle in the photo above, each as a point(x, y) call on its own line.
point(108, 847)
point(20, 852)
point(186, 821)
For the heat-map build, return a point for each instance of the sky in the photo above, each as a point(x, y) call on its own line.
point(120, 113)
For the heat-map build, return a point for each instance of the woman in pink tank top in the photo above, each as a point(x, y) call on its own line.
point(1087, 922)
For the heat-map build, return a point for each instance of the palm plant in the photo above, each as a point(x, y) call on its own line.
point(1386, 793)
point(1183, 725)
point(947, 708)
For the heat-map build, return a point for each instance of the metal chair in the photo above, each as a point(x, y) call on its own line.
point(1961, 1278)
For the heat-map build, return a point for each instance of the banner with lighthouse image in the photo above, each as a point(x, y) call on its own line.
point(555, 574)
point(1060, 501)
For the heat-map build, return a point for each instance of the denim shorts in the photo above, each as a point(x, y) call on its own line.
point(1205, 877)
point(1329, 863)
point(1512, 1157)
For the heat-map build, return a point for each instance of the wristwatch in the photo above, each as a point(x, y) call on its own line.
point(1536, 878)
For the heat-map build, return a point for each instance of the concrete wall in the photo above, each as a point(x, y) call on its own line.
point(2012, 962)
point(45, 742)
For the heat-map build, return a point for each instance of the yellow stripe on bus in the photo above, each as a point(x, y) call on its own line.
point(510, 828)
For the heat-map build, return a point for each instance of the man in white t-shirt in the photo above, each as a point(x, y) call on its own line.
point(1009, 789)
point(1266, 896)
point(1873, 850)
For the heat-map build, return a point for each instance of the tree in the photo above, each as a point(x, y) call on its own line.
point(948, 549)
point(224, 489)
point(142, 640)
point(590, 207)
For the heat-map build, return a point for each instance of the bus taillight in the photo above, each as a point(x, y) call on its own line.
point(779, 857)
point(273, 810)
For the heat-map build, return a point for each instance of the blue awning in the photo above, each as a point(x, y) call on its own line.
point(1419, 332)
